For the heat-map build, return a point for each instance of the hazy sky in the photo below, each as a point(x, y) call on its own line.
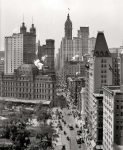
point(49, 17)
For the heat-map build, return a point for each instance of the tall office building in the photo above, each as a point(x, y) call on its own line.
point(50, 50)
point(68, 28)
point(97, 75)
point(29, 44)
point(113, 114)
point(20, 48)
point(77, 48)
point(91, 44)
point(2, 60)
point(13, 52)
point(83, 33)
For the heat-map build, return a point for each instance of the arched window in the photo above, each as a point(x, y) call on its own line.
point(106, 53)
point(101, 53)
point(97, 53)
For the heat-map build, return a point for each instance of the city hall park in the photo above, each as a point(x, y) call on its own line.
point(7, 109)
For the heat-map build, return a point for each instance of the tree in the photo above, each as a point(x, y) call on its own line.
point(15, 130)
point(43, 115)
point(2, 107)
point(28, 114)
point(45, 134)
point(9, 105)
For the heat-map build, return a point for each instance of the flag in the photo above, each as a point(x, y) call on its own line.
point(110, 68)
point(68, 8)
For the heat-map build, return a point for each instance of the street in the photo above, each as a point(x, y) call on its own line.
point(71, 144)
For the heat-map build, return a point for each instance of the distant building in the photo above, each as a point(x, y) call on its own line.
point(91, 44)
point(74, 85)
point(74, 68)
point(68, 28)
point(48, 51)
point(83, 33)
point(77, 48)
point(13, 52)
point(28, 83)
point(2, 60)
point(20, 48)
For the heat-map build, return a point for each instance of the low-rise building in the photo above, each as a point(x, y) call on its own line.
point(28, 83)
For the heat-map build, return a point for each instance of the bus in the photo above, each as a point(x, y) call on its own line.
point(78, 140)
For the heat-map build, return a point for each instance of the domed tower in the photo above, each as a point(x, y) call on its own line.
point(33, 29)
point(23, 28)
point(68, 28)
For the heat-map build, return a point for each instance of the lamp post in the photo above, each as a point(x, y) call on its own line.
point(70, 143)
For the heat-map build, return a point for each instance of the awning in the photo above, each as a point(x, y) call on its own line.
point(93, 143)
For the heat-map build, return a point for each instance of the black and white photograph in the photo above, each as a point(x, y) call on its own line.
point(61, 74)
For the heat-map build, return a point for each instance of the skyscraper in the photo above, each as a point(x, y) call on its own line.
point(97, 75)
point(13, 52)
point(83, 33)
point(50, 49)
point(68, 28)
point(91, 44)
point(29, 44)
point(20, 48)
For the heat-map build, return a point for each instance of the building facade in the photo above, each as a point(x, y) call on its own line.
point(83, 33)
point(97, 75)
point(112, 118)
point(2, 60)
point(91, 44)
point(13, 52)
point(20, 48)
point(28, 83)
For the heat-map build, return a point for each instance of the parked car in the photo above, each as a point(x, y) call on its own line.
point(65, 133)
point(68, 138)
point(64, 147)
point(77, 126)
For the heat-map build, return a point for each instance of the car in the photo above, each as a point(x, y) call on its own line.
point(64, 147)
point(71, 127)
point(77, 126)
point(68, 138)
point(65, 133)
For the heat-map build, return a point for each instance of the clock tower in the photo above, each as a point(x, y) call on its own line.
point(68, 28)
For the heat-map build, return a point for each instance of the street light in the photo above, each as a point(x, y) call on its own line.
point(70, 143)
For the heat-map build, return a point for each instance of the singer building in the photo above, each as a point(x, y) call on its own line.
point(28, 83)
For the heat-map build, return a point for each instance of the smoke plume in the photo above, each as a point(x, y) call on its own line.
point(43, 58)
point(74, 57)
point(15, 30)
point(38, 64)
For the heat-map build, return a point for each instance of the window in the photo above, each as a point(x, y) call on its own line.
point(117, 106)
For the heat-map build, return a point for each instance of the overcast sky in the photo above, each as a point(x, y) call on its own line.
point(49, 17)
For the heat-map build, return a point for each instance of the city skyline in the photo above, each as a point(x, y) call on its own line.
point(49, 18)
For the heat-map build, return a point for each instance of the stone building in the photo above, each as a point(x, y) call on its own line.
point(28, 83)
